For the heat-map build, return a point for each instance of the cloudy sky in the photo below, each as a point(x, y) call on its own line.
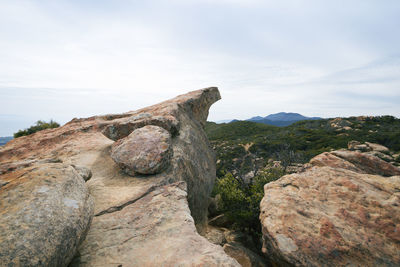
point(65, 59)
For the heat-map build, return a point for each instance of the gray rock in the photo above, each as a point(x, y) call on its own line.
point(46, 213)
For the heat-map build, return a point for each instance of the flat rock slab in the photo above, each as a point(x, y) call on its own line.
point(45, 212)
point(332, 217)
point(155, 230)
point(145, 151)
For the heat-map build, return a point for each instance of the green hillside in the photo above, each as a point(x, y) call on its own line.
point(296, 143)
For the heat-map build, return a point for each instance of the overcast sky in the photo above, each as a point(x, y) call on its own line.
point(65, 59)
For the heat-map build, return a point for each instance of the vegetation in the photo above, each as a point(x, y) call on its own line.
point(40, 125)
point(240, 202)
point(243, 147)
point(297, 143)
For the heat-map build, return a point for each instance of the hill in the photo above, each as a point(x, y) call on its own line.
point(281, 119)
point(245, 146)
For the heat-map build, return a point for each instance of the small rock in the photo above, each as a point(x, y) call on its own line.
point(362, 148)
point(377, 147)
point(248, 176)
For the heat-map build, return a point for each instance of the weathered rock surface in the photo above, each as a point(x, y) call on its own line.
point(145, 151)
point(45, 212)
point(355, 161)
point(155, 230)
point(339, 212)
point(125, 206)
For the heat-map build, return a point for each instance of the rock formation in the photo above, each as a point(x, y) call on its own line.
point(344, 210)
point(148, 176)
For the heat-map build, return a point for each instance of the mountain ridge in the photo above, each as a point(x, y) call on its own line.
point(280, 119)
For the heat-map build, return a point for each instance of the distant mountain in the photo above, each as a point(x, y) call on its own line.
point(256, 118)
point(282, 119)
point(4, 140)
point(285, 116)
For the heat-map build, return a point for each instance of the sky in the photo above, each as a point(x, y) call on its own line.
point(78, 58)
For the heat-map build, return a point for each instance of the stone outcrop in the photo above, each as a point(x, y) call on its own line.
point(340, 124)
point(149, 173)
point(344, 210)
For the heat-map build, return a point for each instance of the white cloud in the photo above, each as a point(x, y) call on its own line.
point(266, 56)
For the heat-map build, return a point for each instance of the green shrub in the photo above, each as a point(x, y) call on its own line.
point(40, 125)
point(241, 202)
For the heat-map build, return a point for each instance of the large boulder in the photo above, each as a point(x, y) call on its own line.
point(151, 173)
point(145, 151)
point(45, 214)
point(339, 212)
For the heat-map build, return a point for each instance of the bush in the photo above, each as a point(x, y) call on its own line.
point(241, 202)
point(40, 125)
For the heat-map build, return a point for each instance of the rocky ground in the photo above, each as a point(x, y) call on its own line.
point(117, 190)
point(133, 189)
